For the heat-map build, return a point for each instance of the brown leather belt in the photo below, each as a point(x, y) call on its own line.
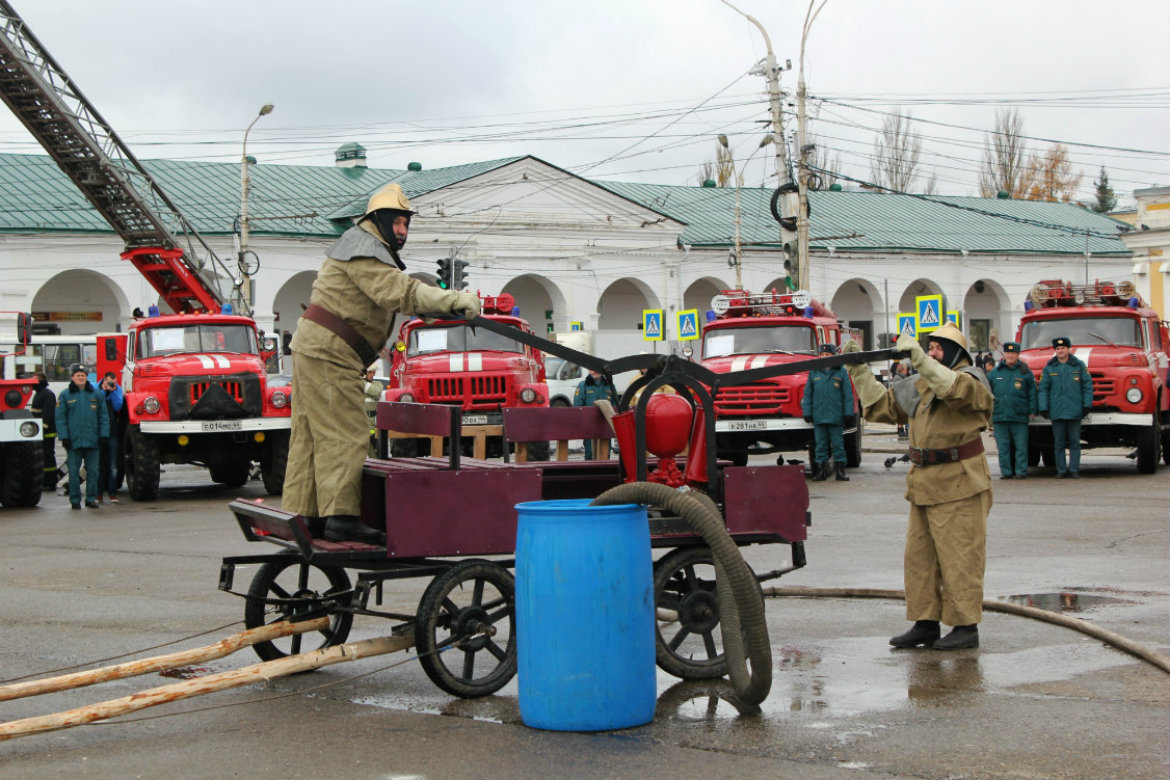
point(924, 456)
point(366, 352)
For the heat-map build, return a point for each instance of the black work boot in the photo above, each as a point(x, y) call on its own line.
point(841, 473)
point(924, 634)
point(960, 638)
point(350, 528)
point(820, 472)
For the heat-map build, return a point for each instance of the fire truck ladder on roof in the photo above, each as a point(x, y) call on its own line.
point(92, 155)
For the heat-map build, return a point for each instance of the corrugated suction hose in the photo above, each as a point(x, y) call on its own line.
point(741, 602)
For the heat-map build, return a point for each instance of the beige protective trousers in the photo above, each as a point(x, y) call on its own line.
point(946, 555)
point(327, 447)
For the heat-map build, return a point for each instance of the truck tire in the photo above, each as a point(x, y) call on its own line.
point(1033, 456)
point(1148, 453)
point(558, 402)
point(409, 448)
point(538, 450)
point(23, 474)
point(1166, 446)
point(853, 448)
point(142, 466)
point(274, 462)
point(232, 473)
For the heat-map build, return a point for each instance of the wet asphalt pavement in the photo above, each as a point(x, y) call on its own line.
point(1036, 700)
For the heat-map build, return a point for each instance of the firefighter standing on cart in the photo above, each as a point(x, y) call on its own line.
point(949, 484)
point(359, 289)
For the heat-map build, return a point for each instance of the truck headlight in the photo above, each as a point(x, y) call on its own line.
point(528, 395)
point(28, 429)
point(1133, 395)
point(151, 405)
point(279, 399)
point(13, 399)
point(406, 398)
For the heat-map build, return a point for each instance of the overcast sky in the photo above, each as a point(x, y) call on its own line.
point(631, 90)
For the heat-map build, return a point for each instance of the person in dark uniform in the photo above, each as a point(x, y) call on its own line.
point(1014, 389)
point(828, 405)
point(593, 388)
point(44, 405)
point(1066, 397)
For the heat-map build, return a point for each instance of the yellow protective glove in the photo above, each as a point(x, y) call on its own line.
point(940, 378)
point(869, 390)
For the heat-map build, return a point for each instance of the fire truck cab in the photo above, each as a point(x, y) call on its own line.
point(766, 329)
point(1124, 345)
point(448, 362)
point(21, 451)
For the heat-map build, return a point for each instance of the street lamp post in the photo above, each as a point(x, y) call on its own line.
point(803, 272)
point(739, 183)
point(244, 163)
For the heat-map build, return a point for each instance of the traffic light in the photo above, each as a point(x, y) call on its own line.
point(458, 274)
point(443, 274)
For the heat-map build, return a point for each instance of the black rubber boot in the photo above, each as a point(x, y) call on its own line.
point(821, 472)
point(924, 634)
point(960, 638)
point(841, 473)
point(350, 528)
point(316, 526)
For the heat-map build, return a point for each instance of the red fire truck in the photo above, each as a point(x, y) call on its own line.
point(1125, 347)
point(21, 454)
point(448, 362)
point(754, 330)
point(195, 383)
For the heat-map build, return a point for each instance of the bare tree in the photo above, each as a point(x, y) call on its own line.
point(1005, 158)
point(827, 166)
point(1052, 176)
point(895, 153)
point(721, 170)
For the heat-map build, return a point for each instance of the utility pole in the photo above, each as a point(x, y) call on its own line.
point(803, 271)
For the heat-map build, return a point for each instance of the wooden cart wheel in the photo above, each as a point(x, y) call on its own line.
point(477, 599)
point(287, 586)
point(687, 638)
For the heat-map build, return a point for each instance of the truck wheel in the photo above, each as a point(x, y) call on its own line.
point(1166, 447)
point(273, 463)
point(409, 448)
point(1033, 456)
point(232, 473)
point(1147, 448)
point(142, 466)
point(559, 402)
point(23, 474)
point(1048, 457)
point(538, 450)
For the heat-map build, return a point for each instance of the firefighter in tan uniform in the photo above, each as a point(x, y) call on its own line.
point(947, 406)
point(359, 289)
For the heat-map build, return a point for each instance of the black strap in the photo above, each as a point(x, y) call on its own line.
point(366, 352)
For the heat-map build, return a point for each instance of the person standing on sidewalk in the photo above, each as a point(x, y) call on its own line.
point(828, 406)
point(1065, 397)
point(948, 406)
point(83, 426)
point(1014, 389)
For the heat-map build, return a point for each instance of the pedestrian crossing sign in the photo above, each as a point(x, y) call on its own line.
point(688, 325)
point(954, 317)
point(576, 326)
point(652, 325)
point(930, 312)
point(908, 323)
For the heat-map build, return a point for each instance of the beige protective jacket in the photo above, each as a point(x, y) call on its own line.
point(941, 422)
point(366, 293)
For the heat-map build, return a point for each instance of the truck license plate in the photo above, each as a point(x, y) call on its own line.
point(745, 425)
point(475, 419)
point(214, 426)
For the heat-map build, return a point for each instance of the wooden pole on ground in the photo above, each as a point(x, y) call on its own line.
point(217, 682)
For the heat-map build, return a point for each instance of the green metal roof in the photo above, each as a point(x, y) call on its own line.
point(306, 200)
point(886, 222)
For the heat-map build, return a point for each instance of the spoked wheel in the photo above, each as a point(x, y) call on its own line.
point(285, 588)
point(468, 615)
point(687, 641)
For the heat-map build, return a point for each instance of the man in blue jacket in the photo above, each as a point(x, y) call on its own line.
point(1065, 397)
point(592, 388)
point(83, 426)
point(828, 405)
point(1014, 389)
point(111, 464)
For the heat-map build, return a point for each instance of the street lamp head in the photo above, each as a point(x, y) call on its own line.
point(723, 140)
point(769, 138)
point(266, 109)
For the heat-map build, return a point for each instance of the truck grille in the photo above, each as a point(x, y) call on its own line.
point(756, 398)
point(471, 392)
point(1103, 387)
point(215, 397)
point(195, 390)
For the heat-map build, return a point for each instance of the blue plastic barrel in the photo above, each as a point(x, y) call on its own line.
point(584, 616)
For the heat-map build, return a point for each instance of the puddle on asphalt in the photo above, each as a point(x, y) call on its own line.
point(1067, 601)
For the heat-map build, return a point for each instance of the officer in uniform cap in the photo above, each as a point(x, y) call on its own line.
point(359, 289)
point(947, 405)
point(828, 405)
point(1014, 389)
point(1065, 396)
